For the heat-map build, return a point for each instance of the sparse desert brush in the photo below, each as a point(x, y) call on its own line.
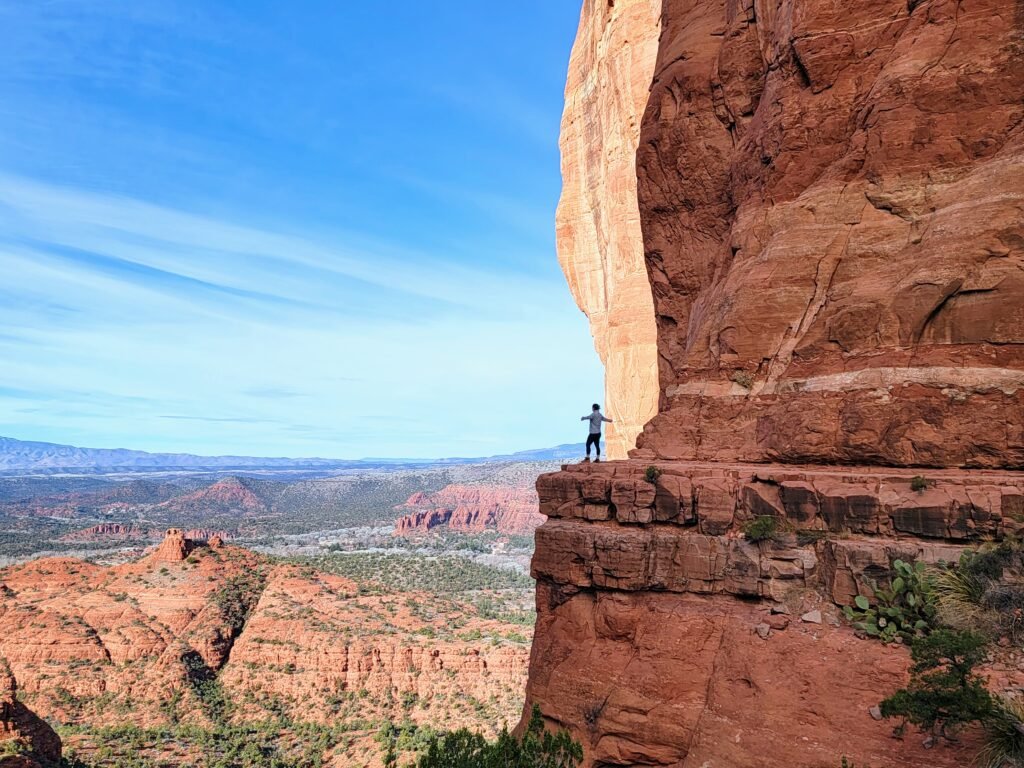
point(1004, 740)
point(744, 378)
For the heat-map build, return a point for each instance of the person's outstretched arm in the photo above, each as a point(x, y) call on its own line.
point(584, 418)
point(604, 418)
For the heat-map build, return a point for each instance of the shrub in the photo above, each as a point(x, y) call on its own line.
point(539, 748)
point(944, 692)
point(651, 474)
point(761, 528)
point(918, 483)
point(743, 378)
point(978, 595)
point(1004, 740)
point(904, 610)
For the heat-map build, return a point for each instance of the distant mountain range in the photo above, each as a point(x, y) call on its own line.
point(23, 455)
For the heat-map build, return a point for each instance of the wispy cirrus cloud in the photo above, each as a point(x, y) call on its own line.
point(201, 219)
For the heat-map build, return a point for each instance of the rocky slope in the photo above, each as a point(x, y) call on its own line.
point(830, 199)
point(151, 642)
point(598, 221)
point(472, 509)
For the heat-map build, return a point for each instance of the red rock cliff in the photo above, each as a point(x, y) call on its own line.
point(831, 197)
point(472, 509)
point(598, 221)
point(831, 200)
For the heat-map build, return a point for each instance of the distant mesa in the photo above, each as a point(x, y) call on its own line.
point(126, 532)
point(472, 509)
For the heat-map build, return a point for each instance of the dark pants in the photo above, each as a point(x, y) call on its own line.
point(594, 440)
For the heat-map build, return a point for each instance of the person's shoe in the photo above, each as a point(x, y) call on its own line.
point(586, 459)
point(597, 459)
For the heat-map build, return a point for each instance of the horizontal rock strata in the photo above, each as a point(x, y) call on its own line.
point(648, 569)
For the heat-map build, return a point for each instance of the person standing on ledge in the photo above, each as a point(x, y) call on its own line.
point(595, 417)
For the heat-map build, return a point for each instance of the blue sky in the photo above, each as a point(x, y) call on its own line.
point(309, 228)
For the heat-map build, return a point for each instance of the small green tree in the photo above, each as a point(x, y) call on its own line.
point(539, 748)
point(944, 692)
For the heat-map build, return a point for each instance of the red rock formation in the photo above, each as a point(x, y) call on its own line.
point(831, 201)
point(174, 548)
point(90, 643)
point(472, 509)
point(108, 532)
point(598, 222)
point(644, 651)
point(24, 734)
point(232, 495)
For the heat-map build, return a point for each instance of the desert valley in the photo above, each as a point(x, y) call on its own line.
point(797, 232)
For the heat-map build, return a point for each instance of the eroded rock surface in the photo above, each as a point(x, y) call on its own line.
point(665, 637)
point(598, 221)
point(25, 738)
point(832, 199)
point(98, 645)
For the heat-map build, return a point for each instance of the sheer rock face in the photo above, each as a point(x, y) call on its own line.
point(598, 222)
point(832, 199)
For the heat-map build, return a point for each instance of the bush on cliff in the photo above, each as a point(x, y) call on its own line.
point(1004, 742)
point(539, 748)
point(761, 528)
point(944, 692)
point(985, 591)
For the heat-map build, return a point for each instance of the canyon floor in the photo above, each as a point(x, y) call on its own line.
point(280, 620)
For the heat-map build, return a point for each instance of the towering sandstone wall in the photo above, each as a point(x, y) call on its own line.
point(831, 199)
point(598, 222)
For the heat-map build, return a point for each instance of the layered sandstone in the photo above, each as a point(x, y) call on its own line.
point(831, 199)
point(95, 645)
point(665, 637)
point(472, 509)
point(598, 221)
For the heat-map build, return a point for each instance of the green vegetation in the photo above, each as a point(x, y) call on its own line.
point(918, 483)
point(903, 611)
point(443, 574)
point(944, 692)
point(985, 591)
point(761, 528)
point(950, 616)
point(238, 597)
point(651, 474)
point(538, 748)
point(277, 743)
point(1004, 743)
